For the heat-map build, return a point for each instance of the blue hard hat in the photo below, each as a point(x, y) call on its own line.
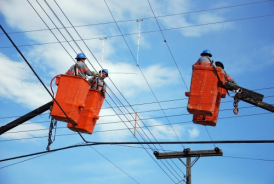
point(206, 52)
point(81, 56)
point(104, 70)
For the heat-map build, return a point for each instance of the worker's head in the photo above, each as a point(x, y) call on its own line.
point(104, 73)
point(219, 64)
point(206, 53)
point(81, 57)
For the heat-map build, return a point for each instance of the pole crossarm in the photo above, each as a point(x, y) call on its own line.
point(188, 153)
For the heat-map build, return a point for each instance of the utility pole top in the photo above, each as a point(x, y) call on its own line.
point(188, 153)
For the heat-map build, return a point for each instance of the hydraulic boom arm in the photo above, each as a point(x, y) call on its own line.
point(248, 96)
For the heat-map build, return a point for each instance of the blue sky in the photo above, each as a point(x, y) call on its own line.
point(238, 33)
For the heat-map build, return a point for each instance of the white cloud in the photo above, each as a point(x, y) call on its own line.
point(25, 131)
point(161, 131)
point(188, 20)
point(193, 133)
point(19, 84)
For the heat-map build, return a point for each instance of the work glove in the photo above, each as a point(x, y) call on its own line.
point(104, 94)
point(96, 74)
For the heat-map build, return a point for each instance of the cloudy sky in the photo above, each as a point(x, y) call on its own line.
point(173, 34)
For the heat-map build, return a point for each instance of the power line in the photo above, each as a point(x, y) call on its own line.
point(149, 103)
point(249, 158)
point(167, 44)
point(158, 142)
point(145, 32)
point(160, 16)
point(130, 128)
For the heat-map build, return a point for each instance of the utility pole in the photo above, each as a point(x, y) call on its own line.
point(188, 154)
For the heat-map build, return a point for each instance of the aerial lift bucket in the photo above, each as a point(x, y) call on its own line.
point(71, 95)
point(204, 90)
point(208, 120)
point(90, 114)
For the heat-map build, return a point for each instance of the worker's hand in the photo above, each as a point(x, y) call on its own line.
point(104, 94)
point(96, 74)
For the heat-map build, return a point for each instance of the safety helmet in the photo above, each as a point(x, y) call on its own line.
point(219, 64)
point(104, 70)
point(81, 56)
point(207, 53)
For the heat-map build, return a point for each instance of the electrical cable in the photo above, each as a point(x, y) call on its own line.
point(144, 32)
point(198, 11)
point(107, 123)
point(132, 128)
point(7, 117)
point(165, 40)
point(160, 142)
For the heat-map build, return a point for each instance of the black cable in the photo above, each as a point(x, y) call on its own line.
point(132, 128)
point(144, 32)
point(167, 44)
point(145, 104)
point(224, 7)
point(107, 123)
point(158, 142)
point(249, 158)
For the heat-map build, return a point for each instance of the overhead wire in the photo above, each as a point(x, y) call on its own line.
point(168, 15)
point(17, 116)
point(137, 127)
point(165, 40)
point(152, 31)
point(137, 143)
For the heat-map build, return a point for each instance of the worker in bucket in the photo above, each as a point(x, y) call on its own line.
point(227, 77)
point(98, 82)
point(80, 68)
point(205, 59)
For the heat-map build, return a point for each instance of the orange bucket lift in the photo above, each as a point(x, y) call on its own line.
point(81, 104)
point(205, 94)
point(90, 114)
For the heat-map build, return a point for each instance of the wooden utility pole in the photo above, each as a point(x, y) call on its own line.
point(188, 154)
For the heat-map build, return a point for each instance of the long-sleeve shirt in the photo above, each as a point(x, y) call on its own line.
point(204, 61)
point(99, 84)
point(82, 70)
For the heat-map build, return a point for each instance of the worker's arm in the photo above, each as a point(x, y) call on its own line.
point(229, 79)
